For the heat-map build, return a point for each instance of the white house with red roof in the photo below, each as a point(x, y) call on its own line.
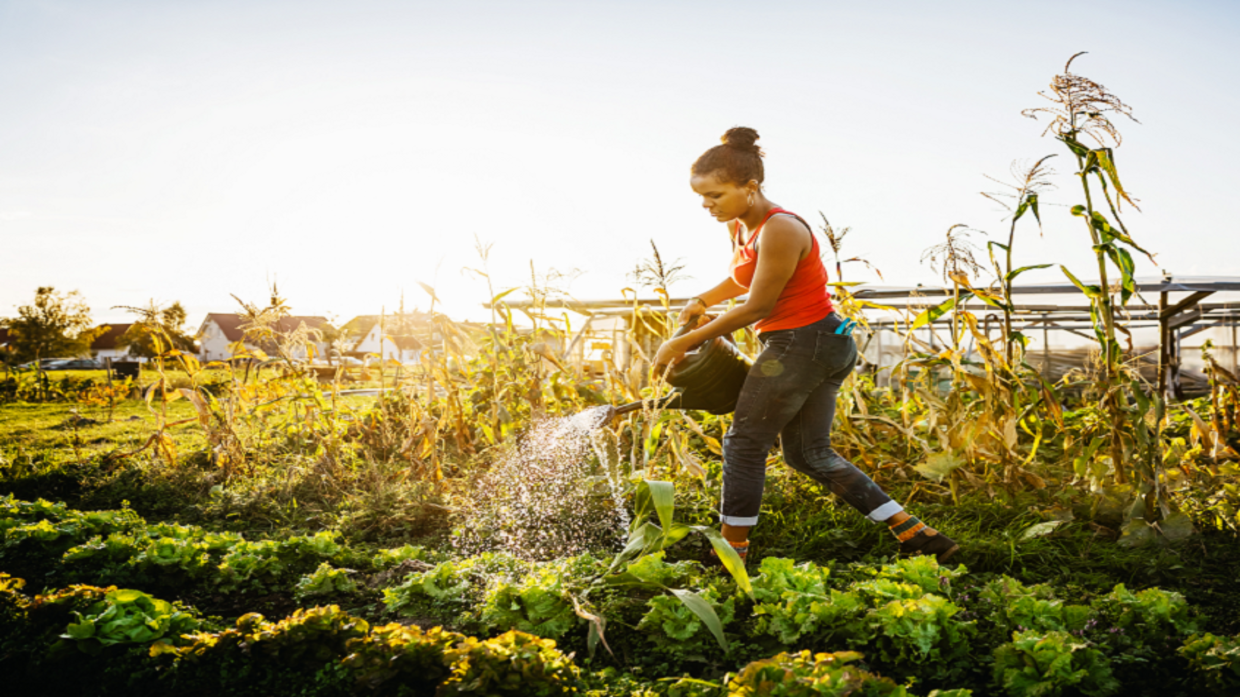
point(382, 341)
point(105, 346)
point(221, 331)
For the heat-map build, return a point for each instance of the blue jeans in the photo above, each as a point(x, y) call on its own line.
point(790, 394)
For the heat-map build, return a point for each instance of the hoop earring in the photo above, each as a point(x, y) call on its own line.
point(751, 199)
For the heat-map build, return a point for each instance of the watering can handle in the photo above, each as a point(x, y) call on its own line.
point(685, 329)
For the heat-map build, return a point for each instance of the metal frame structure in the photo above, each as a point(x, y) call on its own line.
point(1175, 318)
point(1180, 312)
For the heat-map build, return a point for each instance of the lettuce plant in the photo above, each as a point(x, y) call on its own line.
point(1048, 664)
point(922, 571)
point(794, 602)
point(513, 664)
point(677, 629)
point(806, 674)
point(127, 617)
point(1214, 661)
point(325, 580)
point(539, 602)
point(411, 655)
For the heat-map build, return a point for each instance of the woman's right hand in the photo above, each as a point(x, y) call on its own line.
point(691, 313)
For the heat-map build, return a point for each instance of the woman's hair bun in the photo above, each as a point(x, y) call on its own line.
point(742, 138)
point(737, 160)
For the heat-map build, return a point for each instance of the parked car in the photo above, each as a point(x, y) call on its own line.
point(45, 362)
point(75, 364)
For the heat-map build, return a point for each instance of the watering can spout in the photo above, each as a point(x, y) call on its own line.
point(660, 403)
point(709, 378)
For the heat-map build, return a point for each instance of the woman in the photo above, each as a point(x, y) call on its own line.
point(807, 351)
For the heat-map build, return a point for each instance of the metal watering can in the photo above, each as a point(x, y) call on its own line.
point(708, 379)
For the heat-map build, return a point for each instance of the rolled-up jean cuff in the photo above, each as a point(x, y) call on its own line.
point(738, 522)
point(884, 512)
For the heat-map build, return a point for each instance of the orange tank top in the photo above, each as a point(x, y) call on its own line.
point(805, 298)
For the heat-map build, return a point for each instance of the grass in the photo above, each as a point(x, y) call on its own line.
point(68, 427)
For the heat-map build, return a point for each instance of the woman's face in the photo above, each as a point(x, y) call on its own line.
point(724, 200)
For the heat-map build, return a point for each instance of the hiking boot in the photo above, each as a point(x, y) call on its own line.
point(929, 541)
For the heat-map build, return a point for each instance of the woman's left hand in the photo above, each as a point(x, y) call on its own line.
point(670, 352)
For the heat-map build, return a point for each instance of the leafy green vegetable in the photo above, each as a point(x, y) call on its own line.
point(1215, 660)
point(539, 603)
point(1036, 664)
point(513, 663)
point(325, 580)
point(806, 674)
point(127, 617)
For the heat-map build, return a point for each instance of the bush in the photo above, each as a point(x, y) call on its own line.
point(13, 603)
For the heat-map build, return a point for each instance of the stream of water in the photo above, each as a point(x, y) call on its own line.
point(557, 492)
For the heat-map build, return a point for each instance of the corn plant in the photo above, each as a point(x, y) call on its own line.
point(1018, 198)
point(1082, 109)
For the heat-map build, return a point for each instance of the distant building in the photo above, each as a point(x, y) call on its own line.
point(397, 336)
point(220, 331)
point(105, 346)
point(402, 347)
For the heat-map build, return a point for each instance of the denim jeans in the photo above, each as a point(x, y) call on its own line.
point(790, 393)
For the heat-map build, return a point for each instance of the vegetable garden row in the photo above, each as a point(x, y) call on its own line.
point(911, 621)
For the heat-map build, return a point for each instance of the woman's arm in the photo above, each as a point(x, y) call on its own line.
point(783, 244)
point(724, 291)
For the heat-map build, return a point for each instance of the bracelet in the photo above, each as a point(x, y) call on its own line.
point(704, 305)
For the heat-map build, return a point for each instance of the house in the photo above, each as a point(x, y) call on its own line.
point(357, 328)
point(105, 346)
point(221, 330)
point(397, 336)
point(397, 345)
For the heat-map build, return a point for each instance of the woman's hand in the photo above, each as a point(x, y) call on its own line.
point(670, 353)
point(691, 312)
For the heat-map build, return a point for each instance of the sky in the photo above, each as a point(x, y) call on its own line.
point(349, 152)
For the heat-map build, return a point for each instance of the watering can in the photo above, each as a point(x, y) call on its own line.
point(709, 378)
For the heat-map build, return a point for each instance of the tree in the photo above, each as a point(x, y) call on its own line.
point(55, 325)
point(167, 322)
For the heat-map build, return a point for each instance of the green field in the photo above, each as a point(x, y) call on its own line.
point(337, 506)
